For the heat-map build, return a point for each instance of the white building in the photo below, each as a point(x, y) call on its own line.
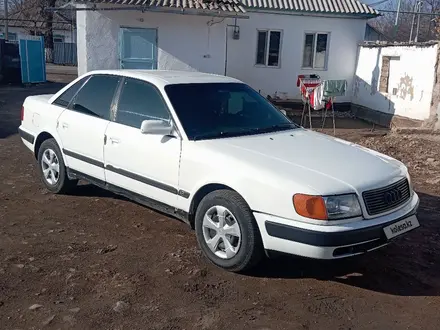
point(267, 44)
point(29, 22)
point(398, 80)
point(19, 32)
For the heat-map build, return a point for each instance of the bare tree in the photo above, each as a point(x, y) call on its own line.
point(407, 22)
point(47, 16)
point(37, 20)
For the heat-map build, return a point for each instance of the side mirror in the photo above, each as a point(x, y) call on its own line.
point(157, 127)
point(284, 112)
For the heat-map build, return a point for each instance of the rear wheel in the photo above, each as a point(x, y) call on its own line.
point(52, 169)
point(227, 232)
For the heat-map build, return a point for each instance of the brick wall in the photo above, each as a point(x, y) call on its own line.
point(384, 74)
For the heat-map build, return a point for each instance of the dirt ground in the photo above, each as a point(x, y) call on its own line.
point(93, 260)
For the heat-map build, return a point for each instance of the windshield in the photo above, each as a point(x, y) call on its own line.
point(215, 110)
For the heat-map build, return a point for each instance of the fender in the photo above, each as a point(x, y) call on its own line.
point(52, 130)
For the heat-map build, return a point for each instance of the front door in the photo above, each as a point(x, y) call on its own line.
point(138, 48)
point(145, 164)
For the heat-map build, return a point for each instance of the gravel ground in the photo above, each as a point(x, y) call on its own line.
point(93, 260)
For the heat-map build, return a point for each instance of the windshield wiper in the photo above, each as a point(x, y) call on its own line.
point(245, 131)
point(207, 136)
point(274, 128)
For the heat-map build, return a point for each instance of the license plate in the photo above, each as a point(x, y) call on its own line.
point(401, 227)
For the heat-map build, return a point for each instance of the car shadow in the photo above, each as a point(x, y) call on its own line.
point(409, 266)
point(85, 189)
point(91, 190)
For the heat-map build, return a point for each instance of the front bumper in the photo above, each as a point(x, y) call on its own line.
point(332, 241)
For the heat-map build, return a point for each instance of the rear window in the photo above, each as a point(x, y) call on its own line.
point(96, 96)
point(64, 99)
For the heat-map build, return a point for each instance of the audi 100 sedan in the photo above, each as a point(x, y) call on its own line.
point(213, 152)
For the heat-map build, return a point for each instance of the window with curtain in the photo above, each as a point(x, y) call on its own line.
point(315, 54)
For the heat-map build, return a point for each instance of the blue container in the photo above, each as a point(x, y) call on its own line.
point(33, 64)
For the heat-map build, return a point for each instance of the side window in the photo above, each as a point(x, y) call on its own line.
point(140, 101)
point(95, 97)
point(64, 99)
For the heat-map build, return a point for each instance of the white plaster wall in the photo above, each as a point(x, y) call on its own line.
point(81, 40)
point(414, 72)
point(23, 32)
point(345, 34)
point(185, 42)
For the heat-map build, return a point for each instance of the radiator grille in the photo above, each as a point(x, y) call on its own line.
point(387, 198)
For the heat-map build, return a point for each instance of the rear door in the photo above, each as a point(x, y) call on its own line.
point(82, 125)
point(138, 48)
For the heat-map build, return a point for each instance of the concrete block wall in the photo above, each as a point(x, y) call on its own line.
point(434, 117)
point(398, 84)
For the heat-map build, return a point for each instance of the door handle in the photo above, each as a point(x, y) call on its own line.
point(65, 125)
point(114, 140)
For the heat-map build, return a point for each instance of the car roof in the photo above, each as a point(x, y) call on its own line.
point(168, 77)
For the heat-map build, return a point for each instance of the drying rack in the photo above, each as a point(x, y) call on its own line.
point(329, 104)
point(319, 94)
point(307, 85)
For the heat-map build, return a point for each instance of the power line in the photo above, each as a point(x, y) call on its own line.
point(409, 12)
point(377, 3)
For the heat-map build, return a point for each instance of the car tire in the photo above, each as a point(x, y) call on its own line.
point(52, 169)
point(238, 246)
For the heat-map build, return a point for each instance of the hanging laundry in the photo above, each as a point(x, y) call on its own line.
point(334, 88)
point(317, 101)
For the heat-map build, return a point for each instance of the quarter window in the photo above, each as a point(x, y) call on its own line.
point(268, 48)
point(96, 96)
point(140, 101)
point(315, 53)
point(64, 99)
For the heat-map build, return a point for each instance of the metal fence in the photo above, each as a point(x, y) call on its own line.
point(64, 53)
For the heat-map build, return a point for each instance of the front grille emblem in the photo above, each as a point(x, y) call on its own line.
point(392, 196)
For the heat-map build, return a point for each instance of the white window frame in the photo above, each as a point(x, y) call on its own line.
point(265, 65)
point(314, 50)
point(15, 34)
point(60, 36)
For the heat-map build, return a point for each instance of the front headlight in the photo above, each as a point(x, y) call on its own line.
point(327, 207)
point(342, 206)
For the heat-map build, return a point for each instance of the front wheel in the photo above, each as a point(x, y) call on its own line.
point(227, 232)
point(52, 169)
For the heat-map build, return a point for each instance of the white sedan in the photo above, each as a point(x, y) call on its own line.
point(213, 152)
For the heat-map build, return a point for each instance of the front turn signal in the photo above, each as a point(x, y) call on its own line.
point(310, 206)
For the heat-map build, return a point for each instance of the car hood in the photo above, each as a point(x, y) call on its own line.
point(324, 164)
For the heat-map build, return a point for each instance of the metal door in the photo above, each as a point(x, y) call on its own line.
point(138, 48)
point(33, 64)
